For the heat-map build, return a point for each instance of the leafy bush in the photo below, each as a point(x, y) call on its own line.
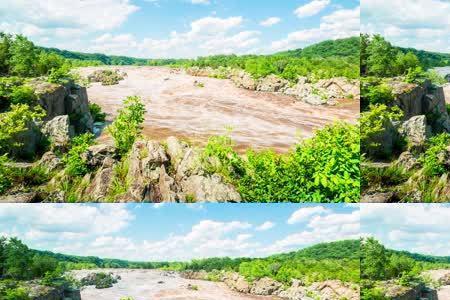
point(374, 123)
point(96, 112)
point(128, 124)
point(16, 294)
point(75, 165)
point(15, 122)
point(390, 176)
point(379, 94)
point(5, 180)
point(324, 168)
point(106, 77)
point(433, 165)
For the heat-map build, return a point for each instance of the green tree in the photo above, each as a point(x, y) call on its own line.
point(380, 57)
point(24, 57)
point(42, 264)
point(373, 260)
point(5, 55)
point(404, 62)
point(18, 260)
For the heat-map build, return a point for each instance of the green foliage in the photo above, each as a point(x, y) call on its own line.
point(42, 265)
point(18, 260)
point(378, 94)
point(373, 260)
point(324, 168)
point(60, 75)
point(5, 180)
point(15, 122)
point(75, 164)
point(324, 60)
point(383, 177)
point(374, 123)
point(48, 62)
point(433, 164)
point(24, 57)
point(16, 294)
point(128, 124)
point(96, 112)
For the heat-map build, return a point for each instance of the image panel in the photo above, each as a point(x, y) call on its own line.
point(173, 251)
point(180, 101)
point(405, 103)
point(405, 251)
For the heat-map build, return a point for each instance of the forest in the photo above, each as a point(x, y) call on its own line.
point(379, 265)
point(396, 89)
point(335, 260)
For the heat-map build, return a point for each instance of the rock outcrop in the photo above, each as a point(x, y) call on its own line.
point(324, 91)
point(59, 132)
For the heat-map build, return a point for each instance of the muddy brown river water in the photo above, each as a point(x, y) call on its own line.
point(159, 285)
point(176, 107)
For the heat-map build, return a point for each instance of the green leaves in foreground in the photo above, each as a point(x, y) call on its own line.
point(324, 168)
point(128, 124)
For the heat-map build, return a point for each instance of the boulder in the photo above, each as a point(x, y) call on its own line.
point(237, 283)
point(96, 154)
point(244, 80)
point(191, 164)
point(378, 197)
point(59, 132)
point(415, 131)
point(50, 161)
point(42, 292)
point(51, 97)
point(382, 145)
point(29, 142)
point(176, 150)
point(265, 286)
point(335, 290)
point(208, 188)
point(99, 187)
point(408, 161)
point(408, 96)
point(21, 197)
point(166, 187)
point(77, 106)
point(272, 83)
point(295, 292)
point(145, 161)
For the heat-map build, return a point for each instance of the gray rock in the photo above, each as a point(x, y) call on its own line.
point(28, 197)
point(384, 197)
point(59, 132)
point(265, 286)
point(272, 83)
point(415, 131)
point(408, 161)
point(50, 161)
point(209, 188)
point(237, 283)
point(96, 154)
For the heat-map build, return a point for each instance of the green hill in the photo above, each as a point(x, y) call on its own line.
point(348, 47)
point(429, 59)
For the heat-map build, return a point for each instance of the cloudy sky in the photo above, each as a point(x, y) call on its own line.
point(148, 232)
point(421, 24)
point(179, 28)
point(421, 228)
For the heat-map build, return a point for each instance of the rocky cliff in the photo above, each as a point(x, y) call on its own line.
point(424, 116)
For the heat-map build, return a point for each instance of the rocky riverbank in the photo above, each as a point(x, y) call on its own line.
point(296, 290)
point(324, 91)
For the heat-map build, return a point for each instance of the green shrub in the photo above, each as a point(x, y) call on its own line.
point(433, 165)
point(14, 122)
point(415, 75)
point(5, 180)
point(128, 124)
point(324, 168)
point(379, 94)
point(60, 75)
point(390, 176)
point(374, 123)
point(17, 294)
point(75, 165)
point(96, 112)
point(435, 77)
point(23, 95)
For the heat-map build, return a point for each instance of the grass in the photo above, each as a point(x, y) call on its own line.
point(383, 177)
point(120, 182)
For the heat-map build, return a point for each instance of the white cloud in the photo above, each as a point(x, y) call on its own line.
point(99, 219)
point(419, 228)
point(331, 227)
point(303, 214)
point(270, 21)
point(207, 36)
point(312, 8)
point(423, 24)
point(265, 226)
point(66, 15)
point(339, 24)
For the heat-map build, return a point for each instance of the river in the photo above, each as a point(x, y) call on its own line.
point(176, 107)
point(159, 285)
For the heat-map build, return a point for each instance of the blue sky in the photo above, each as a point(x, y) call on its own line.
point(421, 228)
point(421, 24)
point(180, 28)
point(177, 232)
